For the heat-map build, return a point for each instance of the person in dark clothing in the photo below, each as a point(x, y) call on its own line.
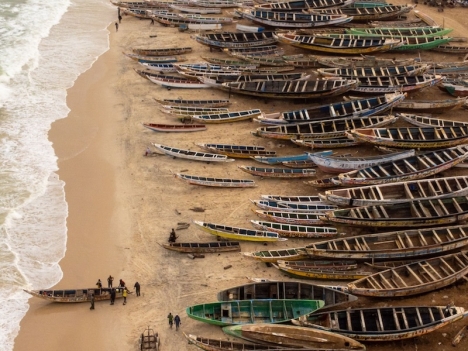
point(172, 237)
point(109, 281)
point(121, 283)
point(152, 20)
point(92, 302)
point(170, 318)
point(177, 322)
point(137, 288)
point(99, 284)
point(112, 296)
point(116, 27)
point(120, 19)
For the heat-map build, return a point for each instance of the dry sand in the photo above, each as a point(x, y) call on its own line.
point(122, 205)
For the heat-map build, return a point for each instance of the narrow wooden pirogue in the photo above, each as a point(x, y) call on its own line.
point(193, 103)
point(216, 182)
point(75, 295)
point(427, 121)
point(174, 128)
point(169, 51)
point(411, 168)
point(236, 40)
point(412, 137)
point(430, 106)
point(382, 85)
point(293, 207)
point(298, 5)
point(414, 278)
point(273, 256)
point(302, 272)
point(286, 290)
point(393, 193)
point(325, 265)
point(290, 217)
point(387, 71)
point(366, 13)
point(209, 247)
point(296, 231)
point(423, 213)
point(278, 172)
point(331, 143)
point(404, 244)
point(288, 198)
point(411, 31)
point(384, 323)
point(191, 155)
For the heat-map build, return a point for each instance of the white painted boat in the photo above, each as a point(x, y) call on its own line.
point(191, 155)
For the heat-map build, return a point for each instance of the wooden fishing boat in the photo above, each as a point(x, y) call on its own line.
point(244, 153)
point(292, 336)
point(235, 233)
point(296, 231)
point(278, 19)
point(275, 255)
point(301, 60)
point(430, 106)
point(190, 111)
point(155, 59)
point(194, 103)
point(386, 71)
point(382, 85)
point(299, 164)
point(204, 26)
point(236, 40)
point(159, 67)
point(217, 3)
point(326, 265)
point(231, 147)
point(427, 121)
point(210, 247)
point(290, 217)
point(299, 5)
point(393, 193)
point(384, 323)
point(216, 182)
point(318, 207)
point(293, 199)
point(412, 137)
point(435, 31)
point(280, 159)
point(287, 89)
point(75, 295)
point(340, 164)
point(194, 9)
point(362, 61)
point(263, 60)
point(362, 107)
point(251, 29)
point(224, 313)
point(322, 129)
point(278, 172)
point(384, 265)
point(177, 82)
point(414, 278)
point(215, 80)
point(208, 344)
point(459, 89)
point(191, 155)
point(136, 12)
point(337, 45)
point(302, 272)
point(398, 23)
point(424, 213)
point(137, 4)
point(411, 168)
point(196, 18)
point(174, 128)
point(168, 51)
point(264, 50)
point(359, 14)
point(234, 116)
point(225, 61)
point(452, 49)
point(286, 290)
point(415, 244)
point(326, 143)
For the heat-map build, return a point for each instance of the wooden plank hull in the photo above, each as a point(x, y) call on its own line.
point(75, 295)
point(216, 182)
point(194, 103)
point(430, 106)
point(296, 231)
point(290, 217)
point(426, 121)
point(273, 256)
point(191, 155)
point(209, 247)
point(278, 172)
point(320, 274)
point(227, 117)
point(174, 128)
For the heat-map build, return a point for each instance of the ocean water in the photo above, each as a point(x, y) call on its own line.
point(44, 47)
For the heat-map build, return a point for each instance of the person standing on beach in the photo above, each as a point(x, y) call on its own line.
point(99, 284)
point(112, 296)
point(170, 318)
point(109, 281)
point(92, 302)
point(120, 19)
point(137, 288)
point(116, 27)
point(121, 283)
point(177, 322)
point(124, 295)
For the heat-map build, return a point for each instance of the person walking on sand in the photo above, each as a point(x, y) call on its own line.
point(120, 19)
point(92, 302)
point(99, 284)
point(177, 322)
point(116, 27)
point(112, 296)
point(124, 295)
point(121, 283)
point(109, 281)
point(170, 318)
point(137, 288)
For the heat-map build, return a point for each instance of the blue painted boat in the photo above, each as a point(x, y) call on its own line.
point(280, 159)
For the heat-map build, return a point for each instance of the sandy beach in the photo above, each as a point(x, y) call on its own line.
point(123, 205)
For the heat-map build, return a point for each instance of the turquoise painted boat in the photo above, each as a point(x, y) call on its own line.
point(237, 312)
point(403, 31)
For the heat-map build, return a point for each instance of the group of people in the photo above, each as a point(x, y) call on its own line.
point(122, 286)
point(173, 320)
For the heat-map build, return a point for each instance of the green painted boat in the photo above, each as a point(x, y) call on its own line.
point(236, 312)
point(403, 31)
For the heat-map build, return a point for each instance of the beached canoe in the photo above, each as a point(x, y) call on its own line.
point(177, 82)
point(227, 117)
point(435, 31)
point(191, 155)
point(209, 247)
point(430, 106)
point(304, 272)
point(332, 143)
point(359, 14)
point(288, 198)
point(167, 51)
point(174, 128)
point(194, 103)
point(293, 336)
point(290, 217)
point(414, 278)
point(236, 40)
point(384, 323)
point(296, 231)
point(423, 213)
point(393, 193)
point(403, 244)
point(226, 313)
point(236, 233)
point(383, 85)
point(386, 71)
point(75, 295)
point(316, 207)
point(427, 121)
point(216, 182)
point(236, 147)
point(299, 5)
point(278, 172)
point(243, 153)
point(272, 256)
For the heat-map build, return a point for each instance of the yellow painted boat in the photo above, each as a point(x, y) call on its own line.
point(311, 273)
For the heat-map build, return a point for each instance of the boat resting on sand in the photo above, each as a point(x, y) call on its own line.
point(273, 256)
point(236, 40)
point(304, 272)
point(331, 143)
point(293, 336)
point(244, 153)
point(209, 247)
point(227, 117)
point(288, 198)
point(176, 82)
point(235, 233)
point(317, 207)
point(236, 147)
point(174, 128)
point(386, 71)
point(384, 323)
point(296, 231)
point(435, 31)
point(393, 193)
point(226, 313)
point(414, 278)
point(341, 164)
point(278, 172)
point(384, 85)
point(75, 295)
point(415, 214)
point(427, 121)
point(430, 106)
point(410, 168)
point(169, 51)
point(191, 155)
point(290, 217)
point(403, 244)
point(286, 290)
point(298, 5)
point(194, 103)
point(412, 137)
point(216, 182)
